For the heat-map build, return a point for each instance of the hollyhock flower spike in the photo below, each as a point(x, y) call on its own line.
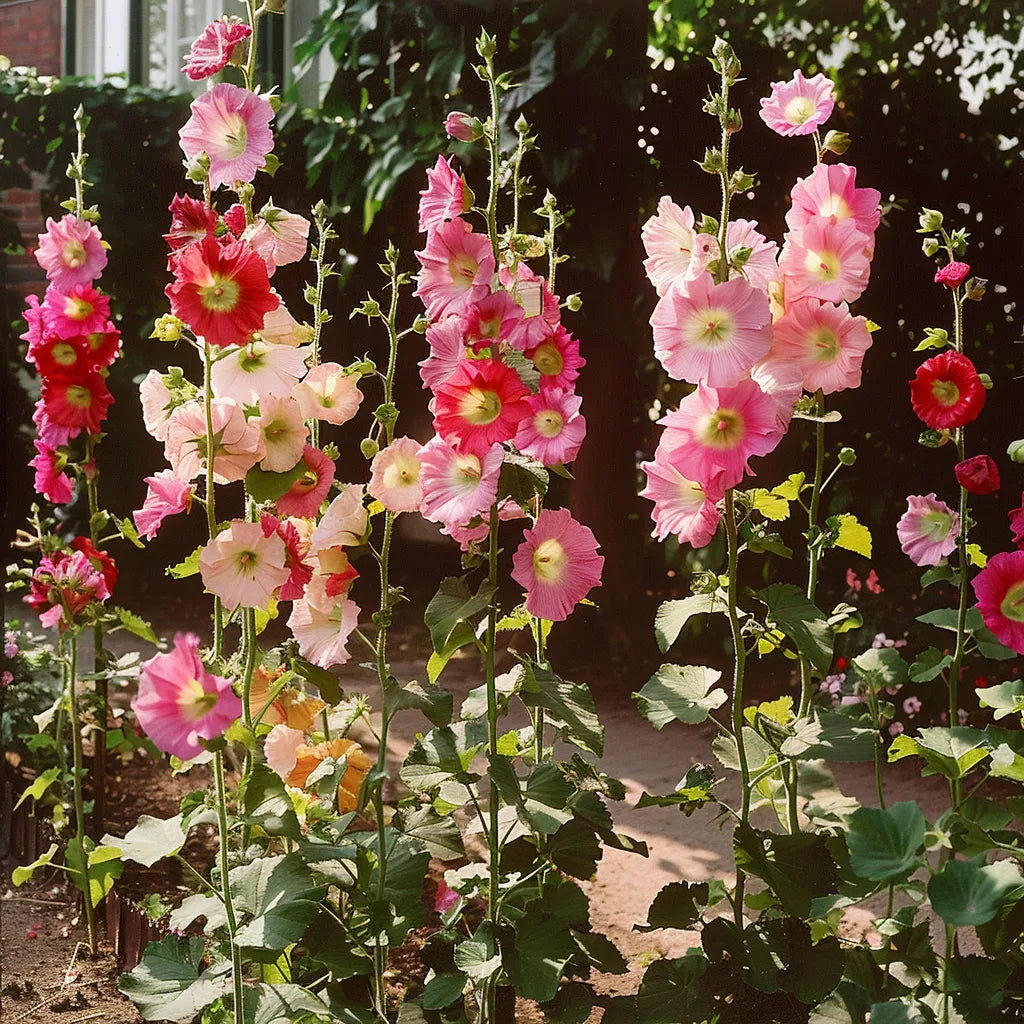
point(999, 588)
point(557, 563)
point(681, 507)
point(826, 260)
point(308, 492)
point(166, 496)
point(952, 274)
point(395, 476)
point(978, 475)
point(71, 252)
point(457, 487)
point(458, 265)
point(242, 566)
point(554, 430)
point(928, 530)
point(799, 106)
point(213, 50)
point(946, 391)
point(446, 196)
point(179, 702)
point(232, 127)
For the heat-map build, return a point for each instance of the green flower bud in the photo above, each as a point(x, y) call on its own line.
point(574, 302)
point(930, 220)
point(847, 456)
point(930, 246)
point(420, 324)
point(368, 447)
point(1016, 451)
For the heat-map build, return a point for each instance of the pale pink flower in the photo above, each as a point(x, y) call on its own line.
point(711, 332)
point(239, 449)
point(242, 566)
point(328, 393)
point(928, 530)
point(446, 196)
point(166, 496)
point(278, 236)
point(761, 267)
point(232, 126)
point(179, 702)
point(447, 350)
point(344, 523)
point(213, 50)
point(825, 260)
point(256, 370)
point(308, 492)
point(281, 328)
point(395, 476)
point(557, 563)
point(669, 239)
point(458, 265)
point(280, 747)
point(830, 191)
point(157, 404)
point(783, 383)
point(681, 507)
point(554, 430)
point(457, 487)
point(799, 106)
point(322, 625)
point(541, 310)
point(824, 341)
point(71, 252)
point(284, 433)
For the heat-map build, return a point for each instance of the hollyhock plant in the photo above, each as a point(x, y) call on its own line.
point(191, 221)
point(345, 522)
point(78, 402)
point(557, 563)
point(928, 530)
point(79, 310)
point(328, 393)
point(179, 703)
point(213, 50)
point(71, 252)
point(999, 588)
point(457, 267)
point(799, 106)
point(446, 196)
point(305, 496)
point(447, 351)
point(557, 359)
point(55, 356)
point(322, 625)
point(308, 758)
point(457, 487)
point(50, 480)
point(395, 476)
point(243, 566)
point(221, 292)
point(711, 332)
point(825, 260)
point(669, 239)
point(830, 190)
point(166, 496)
point(257, 371)
point(946, 391)
point(978, 475)
point(681, 507)
point(232, 127)
point(554, 430)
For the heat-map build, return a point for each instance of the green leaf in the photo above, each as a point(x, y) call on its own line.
point(802, 621)
point(970, 892)
point(951, 753)
point(170, 983)
point(897, 1011)
point(267, 804)
point(570, 707)
point(671, 991)
point(283, 1003)
point(431, 700)
point(928, 665)
point(1005, 699)
point(150, 840)
point(325, 681)
point(673, 615)
point(451, 605)
point(439, 836)
point(104, 867)
point(262, 485)
point(832, 736)
point(853, 535)
point(442, 990)
point(506, 685)
point(543, 946)
point(137, 625)
point(23, 872)
point(441, 755)
point(881, 668)
point(680, 693)
point(189, 567)
point(522, 479)
point(978, 983)
point(128, 531)
point(884, 844)
point(677, 905)
point(600, 952)
point(40, 784)
point(479, 957)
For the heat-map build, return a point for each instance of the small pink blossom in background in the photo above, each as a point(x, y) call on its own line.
point(557, 359)
point(10, 644)
point(284, 433)
point(344, 523)
point(464, 127)
point(911, 706)
point(395, 476)
point(962, 716)
point(50, 480)
point(328, 393)
point(554, 429)
point(825, 260)
point(711, 332)
point(799, 106)
point(873, 584)
point(280, 747)
point(166, 496)
point(928, 530)
point(278, 236)
point(952, 274)
point(978, 475)
point(895, 728)
point(681, 507)
point(308, 492)
point(322, 625)
point(557, 563)
point(446, 196)
point(457, 487)
point(81, 309)
point(670, 239)
point(7, 677)
point(447, 350)
point(999, 589)
point(830, 191)
point(212, 51)
point(71, 252)
point(242, 566)
point(191, 221)
point(457, 267)
point(445, 897)
point(1016, 517)
point(493, 319)
point(232, 126)
point(852, 581)
point(179, 702)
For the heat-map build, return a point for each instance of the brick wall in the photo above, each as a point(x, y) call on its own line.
point(30, 34)
point(23, 274)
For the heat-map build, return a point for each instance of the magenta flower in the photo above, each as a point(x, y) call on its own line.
point(494, 319)
point(212, 51)
point(557, 359)
point(395, 476)
point(999, 588)
point(50, 480)
point(446, 196)
point(242, 566)
point(457, 268)
point(166, 496)
point(554, 430)
point(1016, 517)
point(557, 563)
point(79, 310)
point(681, 507)
point(799, 106)
point(63, 586)
point(826, 260)
point(830, 191)
point(71, 252)
point(457, 487)
point(541, 312)
point(179, 702)
point(928, 529)
point(952, 274)
point(978, 475)
point(232, 127)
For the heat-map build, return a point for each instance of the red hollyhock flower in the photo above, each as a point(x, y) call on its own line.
point(103, 346)
point(78, 402)
point(234, 219)
point(978, 475)
point(952, 274)
point(222, 293)
point(100, 560)
point(191, 221)
point(1016, 517)
point(60, 357)
point(947, 391)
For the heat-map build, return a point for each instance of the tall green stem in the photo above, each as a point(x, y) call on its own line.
point(814, 549)
point(229, 909)
point(78, 769)
point(211, 512)
point(493, 842)
point(492, 145)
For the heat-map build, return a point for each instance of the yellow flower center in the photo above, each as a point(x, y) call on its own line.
point(826, 342)
point(403, 472)
point(548, 423)
point(823, 266)
point(78, 396)
point(1012, 605)
point(64, 354)
point(221, 296)
point(548, 359)
point(835, 206)
point(724, 428)
point(468, 468)
point(549, 561)
point(195, 702)
point(73, 254)
point(236, 137)
point(712, 327)
point(946, 393)
point(76, 308)
point(479, 407)
point(799, 110)
point(462, 269)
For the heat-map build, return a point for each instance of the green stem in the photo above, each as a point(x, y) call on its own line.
point(99, 757)
point(723, 224)
point(950, 940)
point(225, 885)
point(323, 233)
point(493, 802)
point(888, 940)
point(538, 713)
point(249, 70)
point(876, 721)
point(814, 550)
point(492, 145)
point(211, 513)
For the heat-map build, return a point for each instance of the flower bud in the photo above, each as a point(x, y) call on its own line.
point(930, 220)
point(167, 328)
point(930, 246)
point(952, 274)
point(386, 413)
point(420, 324)
point(847, 456)
point(485, 45)
point(978, 475)
point(198, 169)
point(368, 447)
point(836, 142)
point(1016, 451)
point(574, 302)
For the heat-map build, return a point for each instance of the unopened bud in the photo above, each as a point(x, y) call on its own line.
point(368, 447)
point(930, 246)
point(386, 413)
point(733, 121)
point(464, 127)
point(1016, 451)
point(847, 456)
point(167, 328)
point(836, 142)
point(930, 220)
point(574, 302)
point(485, 45)
point(420, 324)
point(198, 168)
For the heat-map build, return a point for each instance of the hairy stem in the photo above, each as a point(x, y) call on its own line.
point(78, 770)
point(229, 909)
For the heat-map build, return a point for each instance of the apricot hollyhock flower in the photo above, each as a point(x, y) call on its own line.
point(291, 706)
point(457, 487)
point(344, 523)
point(308, 758)
point(928, 530)
point(71, 252)
point(978, 475)
point(557, 563)
point(232, 127)
point(999, 588)
point(328, 393)
point(166, 496)
point(281, 328)
point(669, 239)
point(826, 260)
point(179, 702)
point(798, 106)
point(711, 332)
point(322, 624)
point(946, 391)
point(554, 430)
point(212, 51)
point(681, 507)
point(457, 268)
point(308, 492)
point(395, 476)
point(446, 196)
point(238, 443)
point(830, 191)
point(242, 566)
point(557, 359)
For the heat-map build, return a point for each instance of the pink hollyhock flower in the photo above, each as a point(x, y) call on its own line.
point(446, 196)
point(1016, 517)
point(258, 370)
point(481, 404)
point(100, 560)
point(554, 430)
point(328, 393)
point(54, 356)
point(447, 351)
point(715, 431)
point(322, 625)
point(50, 480)
point(308, 492)
point(234, 221)
point(557, 359)
point(212, 51)
point(344, 523)
point(761, 267)
point(495, 318)
point(33, 316)
point(999, 588)
point(179, 702)
point(395, 476)
point(928, 529)
point(825, 342)
point(711, 332)
point(978, 475)
point(457, 487)
point(464, 127)
point(826, 260)
point(157, 405)
point(281, 328)
point(191, 221)
point(830, 191)
point(783, 383)
point(799, 106)
point(51, 434)
point(669, 239)
point(71, 252)
point(946, 391)
point(541, 311)
point(466, 535)
point(445, 897)
point(79, 402)
point(952, 274)
point(278, 236)
point(280, 748)
point(457, 269)
point(63, 586)
point(79, 310)
point(557, 563)
point(222, 292)
point(232, 127)
point(681, 507)
point(166, 496)
point(242, 566)
point(238, 443)
point(284, 433)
